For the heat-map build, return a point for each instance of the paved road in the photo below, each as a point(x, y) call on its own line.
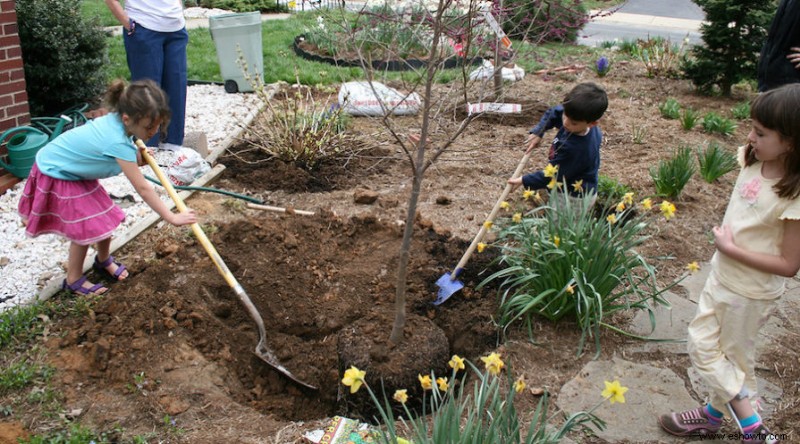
point(636, 19)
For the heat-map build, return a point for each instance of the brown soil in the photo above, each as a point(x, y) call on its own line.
point(173, 339)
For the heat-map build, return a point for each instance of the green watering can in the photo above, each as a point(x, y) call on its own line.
point(23, 142)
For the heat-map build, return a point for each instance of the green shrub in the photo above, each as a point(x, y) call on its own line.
point(565, 263)
point(741, 111)
point(541, 21)
point(733, 33)
point(715, 123)
point(237, 5)
point(64, 54)
point(672, 175)
point(715, 162)
point(670, 109)
point(689, 118)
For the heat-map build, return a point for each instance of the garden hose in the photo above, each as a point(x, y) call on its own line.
point(212, 190)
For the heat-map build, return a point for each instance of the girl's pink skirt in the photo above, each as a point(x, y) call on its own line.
point(79, 210)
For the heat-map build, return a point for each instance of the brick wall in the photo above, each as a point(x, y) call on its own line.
point(13, 97)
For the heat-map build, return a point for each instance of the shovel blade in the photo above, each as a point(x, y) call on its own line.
point(447, 287)
point(266, 355)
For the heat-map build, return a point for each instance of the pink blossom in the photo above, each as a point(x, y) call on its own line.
point(749, 191)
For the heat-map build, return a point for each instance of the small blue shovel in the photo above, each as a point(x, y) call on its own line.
point(449, 284)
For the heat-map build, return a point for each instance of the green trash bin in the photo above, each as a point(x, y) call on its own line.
point(236, 34)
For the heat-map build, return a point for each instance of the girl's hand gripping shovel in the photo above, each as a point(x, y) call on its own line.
point(449, 283)
point(261, 349)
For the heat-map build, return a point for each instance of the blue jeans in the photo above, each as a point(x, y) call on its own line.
point(161, 56)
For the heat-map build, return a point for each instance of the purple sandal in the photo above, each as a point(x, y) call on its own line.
point(101, 268)
point(77, 287)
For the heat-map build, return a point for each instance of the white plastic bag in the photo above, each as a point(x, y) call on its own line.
point(486, 71)
point(358, 99)
point(182, 165)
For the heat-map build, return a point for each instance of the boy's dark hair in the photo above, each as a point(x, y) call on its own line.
point(586, 102)
point(779, 110)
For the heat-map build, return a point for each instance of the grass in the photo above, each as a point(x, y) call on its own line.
point(98, 9)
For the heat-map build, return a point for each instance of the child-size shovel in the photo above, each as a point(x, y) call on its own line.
point(262, 351)
point(449, 283)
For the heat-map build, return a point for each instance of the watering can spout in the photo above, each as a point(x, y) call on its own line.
point(22, 144)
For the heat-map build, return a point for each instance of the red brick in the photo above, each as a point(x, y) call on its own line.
point(21, 96)
point(7, 180)
point(12, 87)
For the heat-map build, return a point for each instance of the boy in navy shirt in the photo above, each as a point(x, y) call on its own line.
point(575, 150)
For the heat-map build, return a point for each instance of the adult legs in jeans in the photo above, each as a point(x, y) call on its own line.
point(161, 56)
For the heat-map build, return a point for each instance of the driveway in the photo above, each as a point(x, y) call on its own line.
point(640, 19)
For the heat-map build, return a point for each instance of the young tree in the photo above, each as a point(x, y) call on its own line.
point(733, 34)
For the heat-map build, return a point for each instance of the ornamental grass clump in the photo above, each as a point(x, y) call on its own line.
point(714, 123)
point(671, 175)
point(715, 162)
point(474, 405)
point(561, 262)
point(689, 119)
point(670, 109)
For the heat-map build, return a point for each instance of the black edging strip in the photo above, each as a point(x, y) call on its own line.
point(381, 65)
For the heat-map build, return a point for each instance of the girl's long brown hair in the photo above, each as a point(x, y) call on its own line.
point(779, 110)
point(141, 99)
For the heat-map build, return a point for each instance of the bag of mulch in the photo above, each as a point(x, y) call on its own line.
point(183, 165)
point(359, 99)
point(486, 72)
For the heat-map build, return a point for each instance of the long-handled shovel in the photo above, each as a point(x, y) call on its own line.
point(261, 349)
point(449, 283)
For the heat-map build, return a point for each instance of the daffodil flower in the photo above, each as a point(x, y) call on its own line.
point(628, 198)
point(425, 382)
point(577, 186)
point(667, 209)
point(620, 207)
point(400, 396)
point(519, 385)
point(693, 267)
point(527, 194)
point(614, 392)
point(505, 205)
point(480, 247)
point(517, 218)
point(612, 219)
point(571, 289)
point(550, 170)
point(647, 204)
point(456, 363)
point(487, 225)
point(442, 383)
point(556, 241)
point(493, 363)
point(552, 184)
point(353, 378)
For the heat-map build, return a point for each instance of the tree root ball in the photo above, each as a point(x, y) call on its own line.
point(365, 345)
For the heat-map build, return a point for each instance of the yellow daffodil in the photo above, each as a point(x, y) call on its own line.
point(505, 205)
point(425, 382)
point(550, 170)
point(487, 225)
point(571, 289)
point(353, 378)
point(292, 5)
point(693, 267)
point(556, 241)
point(527, 194)
point(577, 186)
point(456, 363)
point(493, 363)
point(647, 204)
point(553, 184)
point(442, 383)
point(667, 209)
point(628, 198)
point(480, 247)
point(517, 218)
point(400, 396)
point(612, 219)
point(614, 392)
point(620, 207)
point(519, 385)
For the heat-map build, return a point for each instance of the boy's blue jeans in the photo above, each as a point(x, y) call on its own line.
point(161, 56)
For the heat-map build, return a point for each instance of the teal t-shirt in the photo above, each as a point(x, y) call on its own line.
point(89, 151)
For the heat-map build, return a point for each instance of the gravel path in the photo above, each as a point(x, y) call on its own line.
point(27, 264)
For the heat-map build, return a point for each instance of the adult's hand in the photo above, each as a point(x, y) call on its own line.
point(794, 56)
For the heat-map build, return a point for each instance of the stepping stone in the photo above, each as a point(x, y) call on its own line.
point(694, 283)
point(770, 393)
point(671, 323)
point(652, 391)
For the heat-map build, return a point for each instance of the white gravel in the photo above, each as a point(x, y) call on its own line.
point(27, 264)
